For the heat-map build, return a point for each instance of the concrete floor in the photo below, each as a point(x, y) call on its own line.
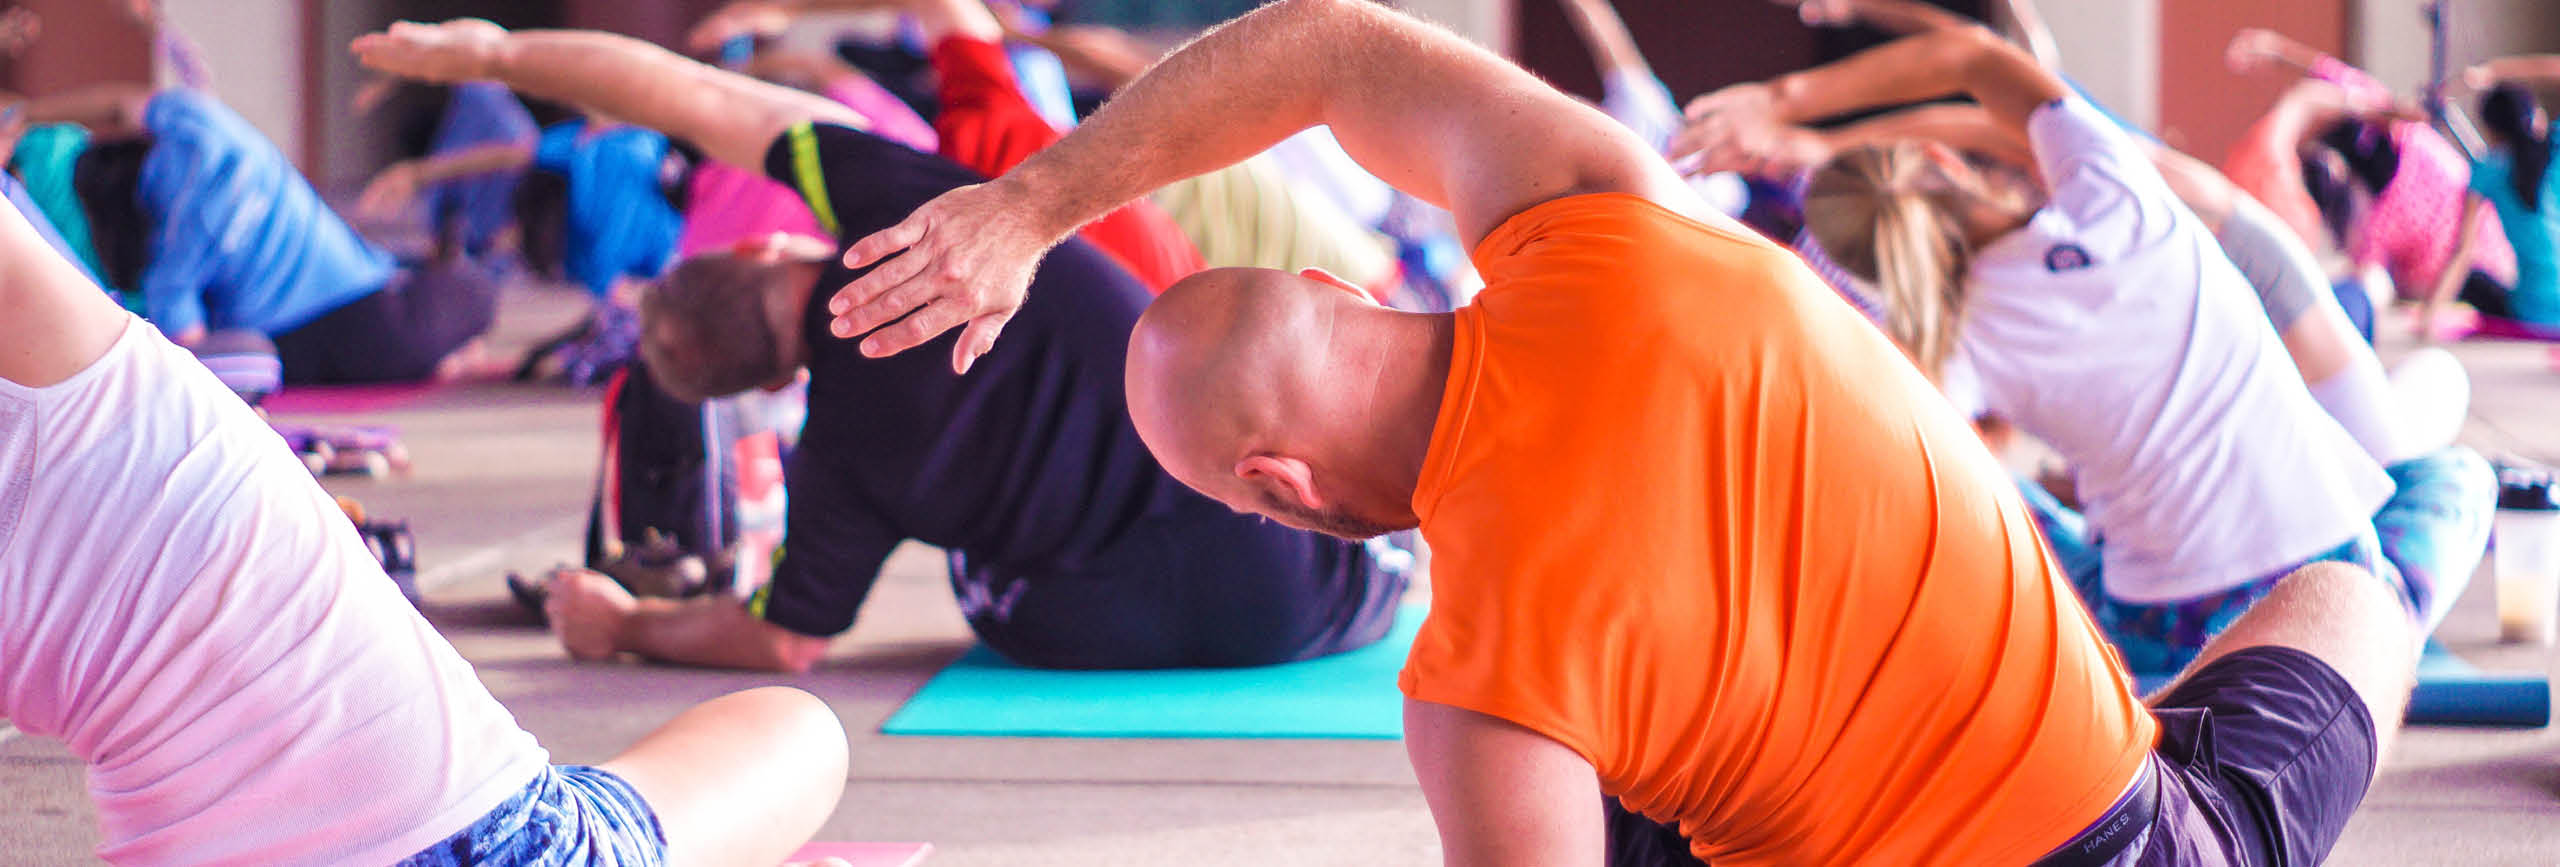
point(502, 481)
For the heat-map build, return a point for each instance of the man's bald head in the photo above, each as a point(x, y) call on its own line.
point(1239, 381)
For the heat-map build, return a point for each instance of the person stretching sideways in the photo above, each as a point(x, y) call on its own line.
point(1070, 546)
point(1627, 455)
point(245, 684)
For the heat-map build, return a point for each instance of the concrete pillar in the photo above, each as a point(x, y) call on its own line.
point(2113, 49)
point(1488, 22)
point(254, 51)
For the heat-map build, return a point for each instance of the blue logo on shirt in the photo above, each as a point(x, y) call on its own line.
point(2067, 257)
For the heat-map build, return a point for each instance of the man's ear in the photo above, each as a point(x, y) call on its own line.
point(1287, 477)
point(1328, 278)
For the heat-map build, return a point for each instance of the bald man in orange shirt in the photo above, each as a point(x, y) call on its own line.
point(1708, 546)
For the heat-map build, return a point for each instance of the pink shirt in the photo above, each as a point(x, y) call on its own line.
point(890, 117)
point(2415, 221)
point(725, 204)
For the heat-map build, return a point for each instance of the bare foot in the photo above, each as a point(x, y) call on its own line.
point(470, 362)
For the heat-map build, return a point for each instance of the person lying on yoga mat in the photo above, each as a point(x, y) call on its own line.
point(1618, 452)
point(192, 209)
point(2421, 223)
point(247, 687)
point(1070, 547)
point(2098, 315)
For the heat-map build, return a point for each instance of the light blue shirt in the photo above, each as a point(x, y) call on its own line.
point(2531, 232)
point(239, 238)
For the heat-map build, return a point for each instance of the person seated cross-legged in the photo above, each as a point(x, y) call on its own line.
point(196, 212)
point(248, 687)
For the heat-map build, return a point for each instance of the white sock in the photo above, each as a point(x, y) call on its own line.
point(2362, 401)
point(2433, 394)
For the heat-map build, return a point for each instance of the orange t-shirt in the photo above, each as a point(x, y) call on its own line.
point(1695, 519)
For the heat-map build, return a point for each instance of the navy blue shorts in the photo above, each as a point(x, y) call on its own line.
point(2263, 755)
point(569, 815)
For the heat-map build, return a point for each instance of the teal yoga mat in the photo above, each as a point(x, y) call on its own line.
point(1347, 695)
point(2452, 691)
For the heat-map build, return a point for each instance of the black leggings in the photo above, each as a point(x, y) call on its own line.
point(2485, 294)
point(1197, 587)
point(398, 334)
point(1635, 841)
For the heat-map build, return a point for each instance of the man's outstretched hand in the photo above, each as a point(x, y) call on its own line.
point(458, 50)
point(965, 258)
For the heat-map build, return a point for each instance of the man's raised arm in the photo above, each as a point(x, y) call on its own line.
point(1425, 110)
point(731, 117)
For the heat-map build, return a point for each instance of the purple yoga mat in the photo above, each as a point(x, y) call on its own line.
point(350, 399)
point(867, 854)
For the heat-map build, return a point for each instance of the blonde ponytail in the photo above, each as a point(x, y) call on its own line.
point(1887, 214)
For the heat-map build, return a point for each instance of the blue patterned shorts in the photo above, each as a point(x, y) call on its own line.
point(569, 815)
point(2423, 544)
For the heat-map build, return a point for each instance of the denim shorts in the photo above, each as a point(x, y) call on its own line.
point(2423, 545)
point(569, 815)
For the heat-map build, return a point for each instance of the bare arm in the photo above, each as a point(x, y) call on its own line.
point(53, 321)
point(398, 184)
point(109, 110)
point(596, 619)
point(1968, 60)
point(1606, 35)
point(1964, 127)
point(2027, 26)
point(2202, 187)
point(2521, 69)
point(1101, 55)
point(1428, 112)
point(2255, 48)
point(1892, 16)
point(2458, 267)
point(731, 117)
point(717, 632)
point(1502, 795)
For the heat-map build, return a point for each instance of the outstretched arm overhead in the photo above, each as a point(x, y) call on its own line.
point(1423, 109)
point(398, 184)
point(2520, 69)
point(2256, 48)
point(731, 117)
point(2008, 83)
point(111, 110)
point(1606, 35)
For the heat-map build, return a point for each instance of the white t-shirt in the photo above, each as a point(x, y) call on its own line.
point(2113, 328)
point(184, 607)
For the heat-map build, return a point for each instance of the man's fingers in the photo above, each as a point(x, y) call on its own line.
point(880, 297)
point(878, 245)
point(977, 339)
point(926, 323)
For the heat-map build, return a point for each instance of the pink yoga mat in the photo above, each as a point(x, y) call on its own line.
point(347, 398)
point(867, 854)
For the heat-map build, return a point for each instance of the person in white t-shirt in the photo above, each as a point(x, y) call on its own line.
point(2102, 318)
point(184, 608)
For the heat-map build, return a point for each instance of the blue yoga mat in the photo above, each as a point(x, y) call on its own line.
point(2454, 692)
point(1347, 695)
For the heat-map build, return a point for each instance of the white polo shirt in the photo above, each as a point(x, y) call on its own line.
point(2113, 328)
point(184, 607)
